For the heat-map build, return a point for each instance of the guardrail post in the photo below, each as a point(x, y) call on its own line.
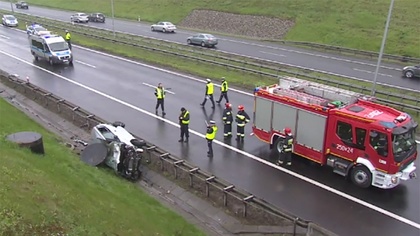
point(176, 163)
point(191, 174)
point(294, 225)
point(149, 151)
point(162, 157)
point(208, 180)
point(245, 201)
point(87, 121)
point(74, 110)
point(46, 100)
point(58, 105)
point(225, 191)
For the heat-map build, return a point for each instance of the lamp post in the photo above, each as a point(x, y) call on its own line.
point(11, 6)
point(382, 47)
point(112, 13)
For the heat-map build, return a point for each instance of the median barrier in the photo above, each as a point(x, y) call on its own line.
point(243, 205)
point(255, 65)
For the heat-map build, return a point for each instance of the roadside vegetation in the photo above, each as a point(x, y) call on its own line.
point(56, 194)
point(357, 24)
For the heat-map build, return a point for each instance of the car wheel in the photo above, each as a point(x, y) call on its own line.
point(36, 58)
point(361, 176)
point(164, 30)
point(203, 44)
point(51, 61)
point(409, 74)
point(153, 29)
point(189, 41)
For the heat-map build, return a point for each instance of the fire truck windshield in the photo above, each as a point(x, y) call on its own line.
point(403, 145)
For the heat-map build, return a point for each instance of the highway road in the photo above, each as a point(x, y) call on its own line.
point(118, 89)
point(363, 69)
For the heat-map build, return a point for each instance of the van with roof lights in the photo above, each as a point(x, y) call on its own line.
point(52, 48)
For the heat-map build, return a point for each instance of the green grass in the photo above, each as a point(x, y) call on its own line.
point(56, 193)
point(355, 24)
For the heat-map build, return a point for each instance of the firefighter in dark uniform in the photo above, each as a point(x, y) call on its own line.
point(286, 155)
point(184, 120)
point(227, 121)
point(223, 91)
point(160, 96)
point(209, 93)
point(210, 136)
point(241, 118)
point(67, 37)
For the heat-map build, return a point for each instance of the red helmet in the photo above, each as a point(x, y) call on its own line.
point(228, 105)
point(288, 131)
point(241, 108)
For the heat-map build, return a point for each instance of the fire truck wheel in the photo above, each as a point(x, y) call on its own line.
point(278, 146)
point(361, 176)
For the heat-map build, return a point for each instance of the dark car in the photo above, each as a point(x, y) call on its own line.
point(411, 71)
point(97, 17)
point(22, 5)
point(205, 40)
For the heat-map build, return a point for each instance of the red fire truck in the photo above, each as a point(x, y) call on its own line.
point(370, 143)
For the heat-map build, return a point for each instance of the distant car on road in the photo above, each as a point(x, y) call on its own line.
point(9, 20)
point(22, 5)
point(205, 40)
point(97, 17)
point(79, 17)
point(411, 71)
point(36, 29)
point(163, 26)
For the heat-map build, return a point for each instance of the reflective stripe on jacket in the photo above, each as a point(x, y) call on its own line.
point(211, 133)
point(227, 116)
point(209, 89)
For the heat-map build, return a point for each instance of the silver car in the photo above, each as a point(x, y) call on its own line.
point(9, 20)
point(124, 151)
point(205, 40)
point(79, 17)
point(163, 26)
point(411, 71)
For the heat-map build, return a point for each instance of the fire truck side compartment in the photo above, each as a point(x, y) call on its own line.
point(262, 119)
point(284, 116)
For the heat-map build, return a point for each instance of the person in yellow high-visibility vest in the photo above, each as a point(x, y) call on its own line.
point(67, 37)
point(209, 93)
point(160, 96)
point(223, 91)
point(184, 121)
point(210, 136)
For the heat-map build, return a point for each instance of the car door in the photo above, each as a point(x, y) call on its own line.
point(417, 71)
point(196, 39)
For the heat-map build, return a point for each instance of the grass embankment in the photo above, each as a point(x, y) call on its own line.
point(355, 24)
point(239, 78)
point(56, 193)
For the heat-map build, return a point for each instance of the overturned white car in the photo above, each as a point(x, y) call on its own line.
point(114, 146)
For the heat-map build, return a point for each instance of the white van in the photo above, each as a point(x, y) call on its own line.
point(52, 48)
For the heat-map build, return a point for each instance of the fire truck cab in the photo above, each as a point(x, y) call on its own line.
point(368, 142)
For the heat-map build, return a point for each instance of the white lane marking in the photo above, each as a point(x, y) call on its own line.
point(5, 37)
point(164, 70)
point(274, 54)
point(84, 63)
point(152, 86)
point(371, 72)
point(344, 195)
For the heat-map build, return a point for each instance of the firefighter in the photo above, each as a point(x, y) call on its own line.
point(160, 96)
point(184, 120)
point(241, 118)
point(286, 155)
point(67, 37)
point(227, 121)
point(209, 93)
point(223, 91)
point(210, 136)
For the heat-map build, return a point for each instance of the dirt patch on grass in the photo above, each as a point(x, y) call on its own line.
point(236, 24)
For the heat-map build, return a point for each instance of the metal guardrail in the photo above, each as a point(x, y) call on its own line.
point(356, 52)
point(257, 68)
point(220, 192)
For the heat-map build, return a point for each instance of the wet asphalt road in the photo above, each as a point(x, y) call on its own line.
point(342, 65)
point(125, 82)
